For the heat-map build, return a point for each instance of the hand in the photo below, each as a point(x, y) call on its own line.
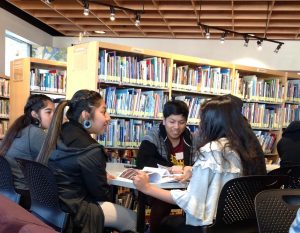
point(141, 180)
point(110, 176)
point(187, 174)
point(176, 170)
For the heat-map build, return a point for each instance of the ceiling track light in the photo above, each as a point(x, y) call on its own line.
point(112, 8)
point(222, 39)
point(207, 33)
point(137, 20)
point(277, 48)
point(112, 15)
point(246, 36)
point(86, 9)
point(246, 39)
point(259, 44)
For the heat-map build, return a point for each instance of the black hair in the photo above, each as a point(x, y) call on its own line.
point(175, 107)
point(220, 117)
point(82, 100)
point(35, 102)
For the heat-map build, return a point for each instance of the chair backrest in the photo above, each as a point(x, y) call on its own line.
point(6, 181)
point(236, 201)
point(44, 194)
point(276, 209)
point(293, 172)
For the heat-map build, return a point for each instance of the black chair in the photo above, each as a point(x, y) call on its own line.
point(44, 194)
point(293, 172)
point(236, 209)
point(276, 210)
point(6, 181)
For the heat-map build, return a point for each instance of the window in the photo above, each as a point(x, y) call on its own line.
point(15, 47)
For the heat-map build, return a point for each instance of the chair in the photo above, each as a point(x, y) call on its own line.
point(293, 172)
point(276, 210)
point(236, 210)
point(44, 194)
point(6, 181)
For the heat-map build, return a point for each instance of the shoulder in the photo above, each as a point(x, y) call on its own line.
point(34, 130)
point(217, 156)
point(217, 145)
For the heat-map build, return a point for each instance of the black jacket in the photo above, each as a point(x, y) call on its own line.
point(155, 148)
point(79, 164)
point(288, 146)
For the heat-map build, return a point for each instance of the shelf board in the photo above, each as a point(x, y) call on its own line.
point(135, 117)
point(47, 92)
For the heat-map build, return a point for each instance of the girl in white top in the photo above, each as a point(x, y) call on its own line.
point(225, 151)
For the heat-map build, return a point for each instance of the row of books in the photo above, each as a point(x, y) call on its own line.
point(4, 87)
point(3, 127)
point(125, 133)
point(48, 80)
point(262, 115)
point(134, 102)
point(291, 112)
point(194, 104)
point(151, 71)
point(250, 87)
point(267, 140)
point(293, 91)
point(4, 108)
point(208, 79)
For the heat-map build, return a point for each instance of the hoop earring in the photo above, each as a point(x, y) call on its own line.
point(87, 124)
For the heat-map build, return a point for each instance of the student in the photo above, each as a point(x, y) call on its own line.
point(289, 145)
point(79, 162)
point(224, 152)
point(25, 138)
point(169, 144)
point(260, 168)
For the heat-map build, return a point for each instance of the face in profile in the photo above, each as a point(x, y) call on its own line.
point(100, 120)
point(46, 114)
point(175, 126)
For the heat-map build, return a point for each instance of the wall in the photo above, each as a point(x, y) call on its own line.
point(231, 51)
point(20, 27)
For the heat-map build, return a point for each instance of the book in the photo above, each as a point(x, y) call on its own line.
point(156, 175)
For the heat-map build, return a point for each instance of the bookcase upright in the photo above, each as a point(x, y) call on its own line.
point(32, 75)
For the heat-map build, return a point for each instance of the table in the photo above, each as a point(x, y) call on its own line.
point(116, 169)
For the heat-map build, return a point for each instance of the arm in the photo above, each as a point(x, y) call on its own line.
point(148, 156)
point(94, 175)
point(36, 139)
point(141, 181)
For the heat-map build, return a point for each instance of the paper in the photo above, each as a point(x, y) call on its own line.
point(156, 175)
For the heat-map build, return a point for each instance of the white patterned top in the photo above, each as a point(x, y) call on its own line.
point(215, 165)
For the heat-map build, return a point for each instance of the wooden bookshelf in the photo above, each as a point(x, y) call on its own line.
point(4, 104)
point(83, 72)
point(21, 81)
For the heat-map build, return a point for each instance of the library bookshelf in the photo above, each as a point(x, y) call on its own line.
point(32, 76)
point(4, 104)
point(123, 72)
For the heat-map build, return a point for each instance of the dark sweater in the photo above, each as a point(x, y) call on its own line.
point(288, 146)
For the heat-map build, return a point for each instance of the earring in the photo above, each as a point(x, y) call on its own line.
point(87, 124)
